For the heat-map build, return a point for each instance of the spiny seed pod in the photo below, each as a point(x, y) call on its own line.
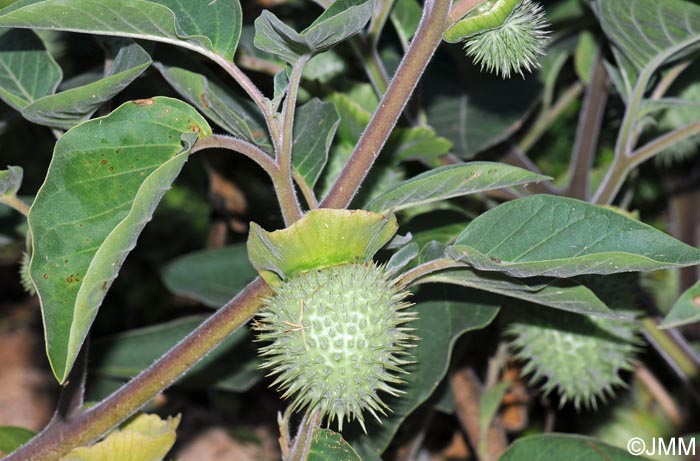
point(337, 338)
point(580, 356)
point(503, 36)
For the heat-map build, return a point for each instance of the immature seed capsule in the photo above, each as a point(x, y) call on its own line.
point(503, 36)
point(337, 339)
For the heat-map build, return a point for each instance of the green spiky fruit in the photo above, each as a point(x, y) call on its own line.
point(513, 47)
point(337, 338)
point(580, 356)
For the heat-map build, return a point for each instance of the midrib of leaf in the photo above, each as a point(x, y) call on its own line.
point(16, 82)
point(75, 340)
point(181, 41)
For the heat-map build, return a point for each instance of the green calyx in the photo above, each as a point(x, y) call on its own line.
point(489, 15)
point(335, 327)
point(580, 356)
point(503, 36)
point(336, 339)
point(322, 238)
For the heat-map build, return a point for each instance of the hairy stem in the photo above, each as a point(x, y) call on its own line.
point(286, 194)
point(461, 8)
point(588, 132)
point(253, 92)
point(251, 151)
point(306, 190)
point(547, 118)
point(374, 67)
point(621, 167)
point(424, 269)
point(57, 439)
point(302, 442)
point(413, 64)
point(382, 12)
point(15, 203)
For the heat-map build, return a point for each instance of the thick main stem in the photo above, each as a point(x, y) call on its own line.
point(413, 64)
point(57, 439)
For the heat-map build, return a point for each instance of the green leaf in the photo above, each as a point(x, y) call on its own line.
point(68, 108)
point(417, 143)
point(584, 58)
point(11, 438)
point(686, 310)
point(327, 445)
point(144, 438)
point(209, 27)
point(482, 114)
point(105, 179)
point(564, 446)
point(205, 91)
point(323, 237)
point(563, 237)
point(275, 37)
point(211, 277)
point(341, 20)
point(315, 124)
point(648, 32)
point(432, 357)
point(405, 16)
point(233, 366)
point(451, 181)
point(27, 71)
point(10, 180)
point(325, 67)
point(559, 294)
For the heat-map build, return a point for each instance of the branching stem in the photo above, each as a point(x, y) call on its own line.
point(427, 38)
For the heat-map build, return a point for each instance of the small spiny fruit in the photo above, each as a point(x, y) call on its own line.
point(336, 338)
point(580, 356)
point(503, 36)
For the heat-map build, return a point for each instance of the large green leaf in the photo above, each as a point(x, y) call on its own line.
point(212, 277)
point(563, 237)
point(27, 71)
point(559, 294)
point(68, 108)
point(451, 181)
point(314, 128)
point(11, 438)
point(232, 366)
point(341, 20)
point(484, 112)
point(327, 445)
point(546, 447)
point(686, 310)
point(650, 32)
point(105, 179)
point(203, 89)
point(439, 325)
point(210, 27)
